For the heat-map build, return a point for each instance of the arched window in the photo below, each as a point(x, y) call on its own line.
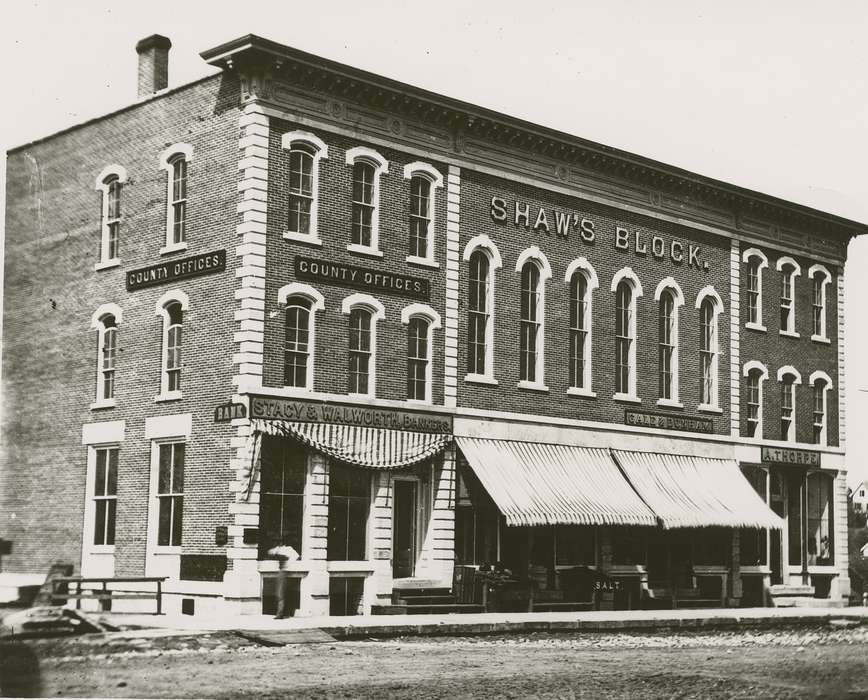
point(305, 152)
point(627, 288)
point(755, 374)
point(756, 262)
point(789, 270)
point(821, 383)
point(580, 330)
point(105, 321)
point(297, 343)
point(110, 182)
point(788, 378)
point(421, 320)
point(174, 345)
point(820, 277)
point(367, 165)
point(360, 351)
point(478, 314)
point(530, 330)
point(710, 306)
point(175, 161)
point(424, 180)
point(669, 298)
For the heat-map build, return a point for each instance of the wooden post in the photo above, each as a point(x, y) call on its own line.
point(160, 597)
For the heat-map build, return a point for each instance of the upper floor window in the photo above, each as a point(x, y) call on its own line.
point(582, 280)
point(669, 297)
point(534, 270)
point(756, 262)
point(368, 166)
point(424, 181)
point(820, 277)
point(420, 320)
point(710, 305)
point(627, 288)
point(305, 152)
point(105, 321)
point(299, 301)
point(820, 383)
point(755, 374)
point(483, 259)
point(363, 311)
point(171, 307)
point(789, 270)
point(175, 161)
point(110, 182)
point(788, 378)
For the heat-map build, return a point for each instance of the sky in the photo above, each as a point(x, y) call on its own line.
point(766, 95)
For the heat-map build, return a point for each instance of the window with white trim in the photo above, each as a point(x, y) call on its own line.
point(170, 493)
point(819, 497)
point(360, 351)
point(820, 277)
point(530, 325)
point(305, 152)
point(174, 346)
point(478, 313)
point(708, 353)
point(368, 166)
point(755, 262)
point(175, 161)
point(580, 331)
point(667, 352)
point(107, 354)
point(418, 359)
point(296, 342)
point(789, 270)
point(424, 181)
point(788, 378)
point(754, 403)
point(625, 339)
point(105, 495)
point(110, 182)
point(820, 384)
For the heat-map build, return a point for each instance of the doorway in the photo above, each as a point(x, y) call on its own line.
point(405, 512)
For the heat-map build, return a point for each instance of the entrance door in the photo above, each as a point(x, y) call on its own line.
point(404, 519)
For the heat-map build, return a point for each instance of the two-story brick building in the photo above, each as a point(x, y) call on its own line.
point(295, 303)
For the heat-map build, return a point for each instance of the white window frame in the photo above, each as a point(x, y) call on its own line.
point(581, 266)
point(317, 303)
point(824, 306)
point(430, 173)
point(820, 375)
point(752, 366)
point(535, 256)
point(381, 167)
point(180, 297)
point(425, 312)
point(484, 244)
point(97, 324)
point(626, 274)
point(96, 558)
point(378, 313)
point(320, 152)
point(710, 292)
point(167, 158)
point(797, 380)
point(109, 172)
point(669, 284)
point(796, 271)
point(763, 264)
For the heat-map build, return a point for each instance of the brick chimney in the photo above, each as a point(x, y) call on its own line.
point(153, 64)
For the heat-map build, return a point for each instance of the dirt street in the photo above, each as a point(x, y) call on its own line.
point(815, 662)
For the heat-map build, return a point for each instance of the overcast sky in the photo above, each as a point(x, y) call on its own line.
point(767, 95)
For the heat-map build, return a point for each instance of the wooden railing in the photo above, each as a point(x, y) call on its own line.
point(103, 593)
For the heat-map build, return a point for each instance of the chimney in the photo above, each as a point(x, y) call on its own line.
point(153, 64)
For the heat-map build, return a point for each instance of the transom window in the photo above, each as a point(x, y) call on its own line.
point(417, 359)
point(170, 493)
point(301, 192)
point(359, 351)
point(478, 312)
point(530, 323)
point(420, 216)
point(580, 331)
point(625, 330)
point(297, 345)
point(105, 495)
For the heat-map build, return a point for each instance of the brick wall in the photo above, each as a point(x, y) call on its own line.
point(51, 291)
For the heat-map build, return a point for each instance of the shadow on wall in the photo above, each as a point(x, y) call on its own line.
point(19, 671)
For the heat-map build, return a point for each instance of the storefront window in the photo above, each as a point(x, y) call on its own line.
point(349, 502)
point(281, 510)
point(820, 550)
point(476, 523)
point(794, 517)
point(752, 542)
point(711, 546)
point(628, 546)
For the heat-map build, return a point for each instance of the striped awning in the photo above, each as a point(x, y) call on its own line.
point(544, 484)
point(696, 491)
point(375, 448)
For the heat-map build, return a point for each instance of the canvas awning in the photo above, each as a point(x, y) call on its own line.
point(695, 491)
point(545, 484)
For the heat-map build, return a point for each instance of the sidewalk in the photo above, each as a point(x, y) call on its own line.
point(487, 623)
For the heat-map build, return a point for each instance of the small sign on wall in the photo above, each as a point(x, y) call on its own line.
point(172, 270)
point(229, 411)
point(786, 455)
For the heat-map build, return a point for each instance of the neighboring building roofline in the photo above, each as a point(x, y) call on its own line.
point(251, 50)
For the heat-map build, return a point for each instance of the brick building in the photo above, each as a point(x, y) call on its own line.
point(294, 303)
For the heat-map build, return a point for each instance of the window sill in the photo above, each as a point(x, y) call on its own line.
point(302, 238)
point(297, 390)
point(828, 569)
point(579, 391)
point(168, 396)
point(750, 325)
point(420, 402)
point(369, 395)
point(708, 408)
point(350, 567)
point(626, 398)
point(102, 403)
point(480, 379)
point(173, 248)
point(821, 339)
point(364, 250)
point(789, 334)
point(163, 551)
point(100, 550)
point(424, 262)
point(107, 264)
point(532, 386)
point(669, 403)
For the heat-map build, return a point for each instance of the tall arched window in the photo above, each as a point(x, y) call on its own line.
point(105, 321)
point(582, 281)
point(530, 326)
point(478, 313)
point(297, 342)
point(627, 289)
point(710, 306)
point(789, 378)
point(820, 277)
point(110, 182)
point(368, 166)
point(174, 345)
point(789, 270)
point(755, 374)
point(360, 351)
point(820, 383)
point(756, 262)
point(421, 320)
point(305, 152)
point(175, 160)
point(424, 181)
point(669, 298)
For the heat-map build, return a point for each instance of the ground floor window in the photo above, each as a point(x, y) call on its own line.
point(753, 543)
point(794, 517)
point(819, 506)
point(477, 521)
point(345, 595)
point(281, 505)
point(105, 495)
point(170, 494)
point(629, 546)
point(349, 503)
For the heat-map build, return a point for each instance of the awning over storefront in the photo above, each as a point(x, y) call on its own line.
point(695, 491)
point(375, 448)
point(544, 484)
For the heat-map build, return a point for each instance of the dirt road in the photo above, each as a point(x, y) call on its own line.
point(820, 662)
